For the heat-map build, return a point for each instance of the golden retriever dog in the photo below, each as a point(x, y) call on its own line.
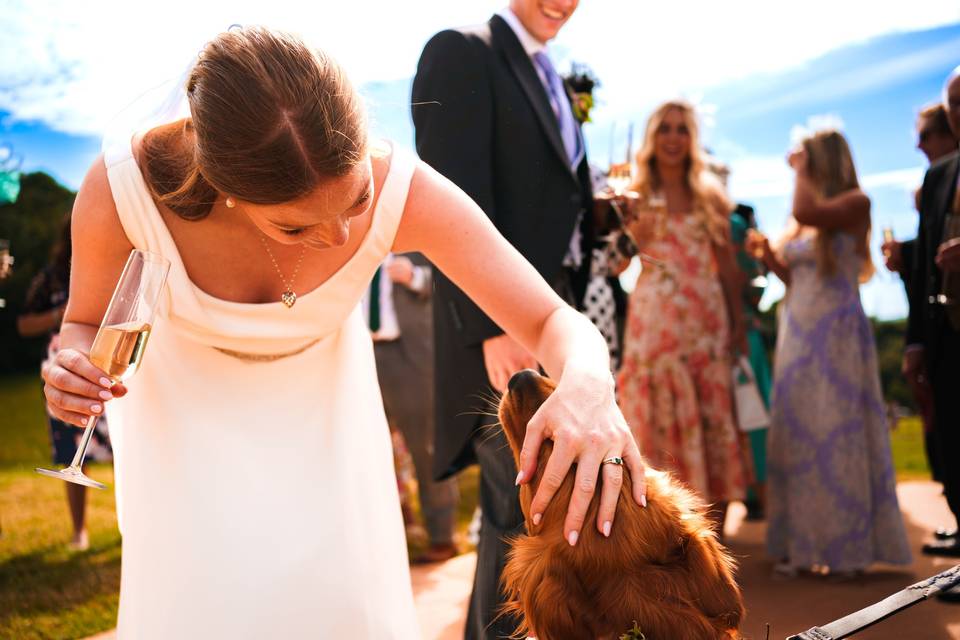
point(662, 570)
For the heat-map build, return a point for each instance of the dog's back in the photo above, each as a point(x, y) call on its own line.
point(661, 568)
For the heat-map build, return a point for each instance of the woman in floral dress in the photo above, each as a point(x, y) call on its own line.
point(684, 315)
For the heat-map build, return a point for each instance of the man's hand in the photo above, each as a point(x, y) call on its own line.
point(948, 256)
point(893, 255)
point(400, 270)
point(503, 357)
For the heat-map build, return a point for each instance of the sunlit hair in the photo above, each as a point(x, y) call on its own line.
point(936, 115)
point(832, 172)
point(709, 200)
point(271, 118)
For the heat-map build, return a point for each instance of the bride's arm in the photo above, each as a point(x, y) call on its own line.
point(581, 417)
point(75, 388)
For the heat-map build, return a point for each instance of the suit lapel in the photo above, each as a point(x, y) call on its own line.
point(506, 40)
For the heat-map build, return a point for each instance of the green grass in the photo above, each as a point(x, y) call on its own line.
point(47, 591)
point(24, 440)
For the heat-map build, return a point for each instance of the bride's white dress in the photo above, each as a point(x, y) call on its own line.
point(256, 494)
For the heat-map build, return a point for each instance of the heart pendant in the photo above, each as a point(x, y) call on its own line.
point(288, 298)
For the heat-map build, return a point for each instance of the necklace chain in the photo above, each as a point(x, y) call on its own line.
point(288, 297)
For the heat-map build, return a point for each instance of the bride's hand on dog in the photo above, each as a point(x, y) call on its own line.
point(587, 427)
point(503, 356)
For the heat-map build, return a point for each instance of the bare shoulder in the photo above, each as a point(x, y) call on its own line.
point(434, 205)
point(95, 211)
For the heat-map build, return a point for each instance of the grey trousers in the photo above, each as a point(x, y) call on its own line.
point(408, 401)
point(501, 520)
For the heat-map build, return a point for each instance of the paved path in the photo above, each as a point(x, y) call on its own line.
point(788, 606)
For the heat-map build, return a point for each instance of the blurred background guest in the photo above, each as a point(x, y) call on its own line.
point(41, 316)
point(829, 449)
point(933, 329)
point(684, 315)
point(935, 140)
point(753, 271)
point(400, 315)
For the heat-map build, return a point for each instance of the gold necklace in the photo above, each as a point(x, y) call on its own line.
point(288, 297)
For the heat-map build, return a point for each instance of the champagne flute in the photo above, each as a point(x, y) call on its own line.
point(887, 239)
point(120, 342)
point(755, 242)
point(619, 177)
point(657, 205)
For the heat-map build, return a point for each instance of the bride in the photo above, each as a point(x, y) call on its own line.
point(255, 488)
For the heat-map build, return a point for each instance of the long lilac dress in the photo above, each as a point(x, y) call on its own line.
point(832, 498)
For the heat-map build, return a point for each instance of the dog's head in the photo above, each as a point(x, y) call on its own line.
point(661, 566)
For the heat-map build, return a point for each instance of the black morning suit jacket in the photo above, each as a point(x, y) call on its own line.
point(928, 322)
point(483, 119)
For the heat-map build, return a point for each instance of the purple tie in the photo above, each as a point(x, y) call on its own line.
point(569, 132)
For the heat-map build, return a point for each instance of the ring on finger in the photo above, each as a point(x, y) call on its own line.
point(617, 460)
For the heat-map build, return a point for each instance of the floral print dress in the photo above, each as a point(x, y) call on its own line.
point(674, 385)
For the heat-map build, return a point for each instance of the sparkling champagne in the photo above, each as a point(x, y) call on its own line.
point(118, 349)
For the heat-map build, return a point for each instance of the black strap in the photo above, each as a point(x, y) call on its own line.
point(851, 624)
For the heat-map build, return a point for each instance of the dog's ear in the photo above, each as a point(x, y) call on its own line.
point(716, 592)
point(546, 592)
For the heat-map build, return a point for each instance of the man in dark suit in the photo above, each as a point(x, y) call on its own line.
point(935, 140)
point(492, 115)
point(400, 315)
point(933, 330)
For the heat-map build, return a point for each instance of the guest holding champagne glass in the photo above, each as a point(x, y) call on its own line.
point(684, 316)
point(829, 447)
point(255, 421)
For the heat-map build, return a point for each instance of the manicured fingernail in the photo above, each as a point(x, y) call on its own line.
point(606, 529)
point(96, 408)
point(105, 395)
point(572, 538)
point(536, 518)
point(106, 382)
point(643, 500)
point(519, 479)
point(83, 421)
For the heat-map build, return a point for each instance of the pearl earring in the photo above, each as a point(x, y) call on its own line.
point(230, 202)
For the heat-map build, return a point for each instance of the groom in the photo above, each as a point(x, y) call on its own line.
point(492, 115)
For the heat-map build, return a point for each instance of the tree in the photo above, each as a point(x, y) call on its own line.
point(32, 225)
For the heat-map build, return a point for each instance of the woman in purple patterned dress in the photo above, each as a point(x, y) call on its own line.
point(832, 500)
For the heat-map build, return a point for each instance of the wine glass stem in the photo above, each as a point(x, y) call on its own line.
point(84, 441)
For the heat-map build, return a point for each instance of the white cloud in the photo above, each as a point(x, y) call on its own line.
point(74, 64)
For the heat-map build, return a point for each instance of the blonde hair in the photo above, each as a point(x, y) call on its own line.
point(832, 172)
point(710, 202)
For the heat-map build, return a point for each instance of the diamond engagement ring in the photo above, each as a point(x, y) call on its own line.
point(614, 460)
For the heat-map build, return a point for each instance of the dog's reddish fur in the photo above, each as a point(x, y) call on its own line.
point(662, 566)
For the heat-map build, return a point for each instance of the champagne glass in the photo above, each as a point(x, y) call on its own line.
point(119, 345)
point(755, 242)
point(619, 177)
point(657, 205)
point(887, 238)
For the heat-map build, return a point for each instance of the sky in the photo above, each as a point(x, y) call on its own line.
point(70, 71)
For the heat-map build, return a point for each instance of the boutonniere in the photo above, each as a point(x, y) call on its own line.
point(634, 634)
point(581, 83)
